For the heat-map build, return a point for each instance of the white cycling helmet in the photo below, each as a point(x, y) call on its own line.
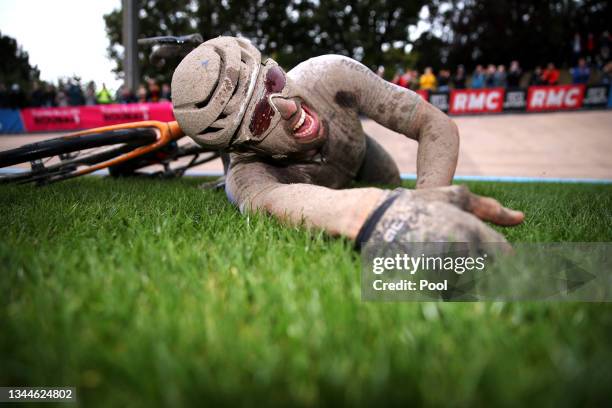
point(212, 87)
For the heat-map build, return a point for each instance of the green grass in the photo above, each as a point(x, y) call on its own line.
point(148, 293)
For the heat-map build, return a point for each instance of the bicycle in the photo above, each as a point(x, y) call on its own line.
point(123, 149)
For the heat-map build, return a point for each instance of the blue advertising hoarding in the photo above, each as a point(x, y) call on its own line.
point(10, 121)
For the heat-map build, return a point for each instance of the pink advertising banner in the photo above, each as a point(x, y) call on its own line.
point(85, 117)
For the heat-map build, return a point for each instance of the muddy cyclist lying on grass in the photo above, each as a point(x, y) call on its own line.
point(297, 144)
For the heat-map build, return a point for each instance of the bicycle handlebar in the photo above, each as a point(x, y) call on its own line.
point(169, 46)
point(172, 40)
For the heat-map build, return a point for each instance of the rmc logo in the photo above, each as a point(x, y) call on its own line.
point(477, 100)
point(541, 98)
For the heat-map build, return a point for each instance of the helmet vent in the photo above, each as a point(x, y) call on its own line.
point(203, 103)
point(210, 129)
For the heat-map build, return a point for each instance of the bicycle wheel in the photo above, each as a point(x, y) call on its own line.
point(56, 159)
point(173, 159)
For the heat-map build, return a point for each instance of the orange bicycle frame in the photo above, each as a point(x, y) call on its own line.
point(166, 133)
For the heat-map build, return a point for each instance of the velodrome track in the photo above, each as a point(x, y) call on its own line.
point(550, 146)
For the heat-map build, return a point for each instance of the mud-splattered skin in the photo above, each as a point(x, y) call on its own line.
point(305, 181)
point(334, 158)
point(328, 85)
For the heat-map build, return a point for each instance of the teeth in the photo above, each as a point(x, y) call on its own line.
point(301, 121)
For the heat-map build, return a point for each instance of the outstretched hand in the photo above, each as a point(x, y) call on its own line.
point(442, 214)
point(489, 209)
point(485, 208)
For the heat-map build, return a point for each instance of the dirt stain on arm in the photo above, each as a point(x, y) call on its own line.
point(346, 99)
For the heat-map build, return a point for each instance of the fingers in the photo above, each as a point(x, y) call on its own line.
point(488, 209)
point(485, 208)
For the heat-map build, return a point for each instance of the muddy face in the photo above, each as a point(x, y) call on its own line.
point(280, 120)
point(299, 120)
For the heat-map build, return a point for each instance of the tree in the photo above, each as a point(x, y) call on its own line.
point(290, 31)
point(15, 67)
point(497, 31)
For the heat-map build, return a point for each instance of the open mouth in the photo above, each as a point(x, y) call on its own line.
point(307, 126)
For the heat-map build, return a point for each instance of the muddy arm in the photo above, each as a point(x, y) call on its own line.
point(438, 151)
point(256, 186)
point(259, 187)
point(403, 111)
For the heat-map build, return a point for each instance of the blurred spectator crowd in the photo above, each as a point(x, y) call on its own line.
point(501, 77)
point(71, 92)
point(589, 63)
